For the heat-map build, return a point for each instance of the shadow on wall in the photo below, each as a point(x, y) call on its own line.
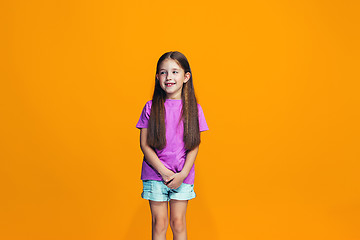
point(200, 223)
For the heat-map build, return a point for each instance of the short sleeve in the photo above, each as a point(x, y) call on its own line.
point(144, 117)
point(202, 122)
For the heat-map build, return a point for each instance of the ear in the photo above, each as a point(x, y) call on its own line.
point(187, 77)
point(157, 76)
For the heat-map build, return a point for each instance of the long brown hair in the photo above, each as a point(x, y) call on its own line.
point(156, 137)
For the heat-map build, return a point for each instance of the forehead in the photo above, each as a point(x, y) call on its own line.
point(169, 64)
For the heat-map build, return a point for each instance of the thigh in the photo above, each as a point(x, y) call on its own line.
point(178, 208)
point(159, 210)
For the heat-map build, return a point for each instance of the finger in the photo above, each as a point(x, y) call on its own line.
point(169, 179)
point(166, 183)
point(171, 184)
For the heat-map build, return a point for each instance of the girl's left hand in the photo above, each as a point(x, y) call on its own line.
point(177, 180)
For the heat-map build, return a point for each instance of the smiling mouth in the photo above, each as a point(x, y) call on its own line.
point(169, 84)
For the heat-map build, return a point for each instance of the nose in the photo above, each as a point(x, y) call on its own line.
point(168, 76)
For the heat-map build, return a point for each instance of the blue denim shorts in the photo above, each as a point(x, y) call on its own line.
point(157, 191)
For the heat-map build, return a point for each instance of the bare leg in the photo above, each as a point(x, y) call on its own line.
point(160, 221)
point(178, 218)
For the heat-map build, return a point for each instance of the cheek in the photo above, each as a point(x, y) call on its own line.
point(162, 83)
point(162, 78)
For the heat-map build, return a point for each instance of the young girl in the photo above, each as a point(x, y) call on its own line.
point(170, 126)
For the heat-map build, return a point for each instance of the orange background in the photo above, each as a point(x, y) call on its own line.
point(279, 85)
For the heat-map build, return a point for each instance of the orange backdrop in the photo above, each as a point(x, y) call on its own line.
point(279, 85)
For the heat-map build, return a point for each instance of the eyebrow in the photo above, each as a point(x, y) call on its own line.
point(172, 69)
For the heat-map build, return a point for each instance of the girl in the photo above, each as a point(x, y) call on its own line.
point(170, 126)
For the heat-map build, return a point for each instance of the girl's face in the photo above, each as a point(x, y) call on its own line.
point(171, 78)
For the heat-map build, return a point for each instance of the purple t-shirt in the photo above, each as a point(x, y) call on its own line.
point(173, 156)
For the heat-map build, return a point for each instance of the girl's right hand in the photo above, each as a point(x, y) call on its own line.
point(167, 175)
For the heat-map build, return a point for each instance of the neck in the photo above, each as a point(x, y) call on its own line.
point(178, 97)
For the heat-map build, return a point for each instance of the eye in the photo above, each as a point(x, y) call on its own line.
point(175, 71)
point(162, 72)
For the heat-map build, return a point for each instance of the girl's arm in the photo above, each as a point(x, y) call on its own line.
point(189, 162)
point(180, 176)
point(152, 158)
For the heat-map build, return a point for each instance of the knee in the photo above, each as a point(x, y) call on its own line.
point(178, 224)
point(160, 224)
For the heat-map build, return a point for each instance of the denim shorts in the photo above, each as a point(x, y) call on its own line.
point(157, 191)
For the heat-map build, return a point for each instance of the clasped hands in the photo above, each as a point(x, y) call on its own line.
point(171, 179)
